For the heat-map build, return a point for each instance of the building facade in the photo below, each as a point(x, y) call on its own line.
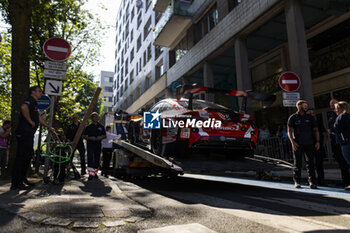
point(139, 78)
point(236, 44)
point(106, 83)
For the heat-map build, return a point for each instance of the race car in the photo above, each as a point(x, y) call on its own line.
point(192, 124)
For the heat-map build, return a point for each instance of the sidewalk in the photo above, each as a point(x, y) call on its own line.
point(74, 204)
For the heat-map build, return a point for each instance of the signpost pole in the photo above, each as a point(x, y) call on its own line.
point(47, 161)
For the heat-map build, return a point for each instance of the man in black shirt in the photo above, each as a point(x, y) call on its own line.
point(94, 133)
point(29, 120)
point(70, 134)
point(337, 153)
point(302, 132)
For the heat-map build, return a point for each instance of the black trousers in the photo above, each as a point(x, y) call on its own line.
point(320, 154)
point(107, 154)
point(81, 148)
point(24, 155)
point(338, 156)
point(309, 151)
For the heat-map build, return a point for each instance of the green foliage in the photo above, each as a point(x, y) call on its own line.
point(5, 77)
point(65, 19)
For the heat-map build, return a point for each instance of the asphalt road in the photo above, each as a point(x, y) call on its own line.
point(238, 205)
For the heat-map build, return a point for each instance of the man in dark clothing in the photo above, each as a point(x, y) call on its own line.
point(29, 120)
point(301, 130)
point(70, 134)
point(337, 154)
point(321, 153)
point(94, 133)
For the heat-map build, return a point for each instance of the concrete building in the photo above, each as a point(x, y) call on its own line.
point(139, 78)
point(235, 44)
point(106, 83)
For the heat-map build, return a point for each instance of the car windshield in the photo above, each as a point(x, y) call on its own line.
point(201, 104)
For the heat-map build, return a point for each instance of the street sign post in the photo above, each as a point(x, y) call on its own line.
point(43, 103)
point(54, 65)
point(57, 49)
point(53, 87)
point(289, 81)
point(290, 99)
point(55, 74)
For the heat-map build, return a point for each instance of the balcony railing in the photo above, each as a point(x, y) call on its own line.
point(176, 25)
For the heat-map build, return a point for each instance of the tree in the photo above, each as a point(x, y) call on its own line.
point(5, 77)
point(33, 22)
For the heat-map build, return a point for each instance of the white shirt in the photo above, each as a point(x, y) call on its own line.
point(108, 141)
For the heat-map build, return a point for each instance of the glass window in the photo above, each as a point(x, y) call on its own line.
point(201, 104)
point(342, 95)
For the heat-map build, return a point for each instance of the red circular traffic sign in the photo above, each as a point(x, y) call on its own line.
point(289, 81)
point(57, 49)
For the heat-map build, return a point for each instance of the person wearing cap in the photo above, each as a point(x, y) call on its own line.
point(305, 139)
point(94, 134)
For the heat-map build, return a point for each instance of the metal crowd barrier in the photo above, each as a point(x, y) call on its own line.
point(276, 147)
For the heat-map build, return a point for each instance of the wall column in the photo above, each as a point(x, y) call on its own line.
point(298, 53)
point(208, 78)
point(242, 69)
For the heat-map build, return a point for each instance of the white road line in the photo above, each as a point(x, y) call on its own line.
point(326, 191)
point(57, 49)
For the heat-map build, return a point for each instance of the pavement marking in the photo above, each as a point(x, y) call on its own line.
point(326, 191)
point(187, 228)
point(276, 219)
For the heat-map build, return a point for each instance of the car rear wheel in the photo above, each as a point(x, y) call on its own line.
point(156, 142)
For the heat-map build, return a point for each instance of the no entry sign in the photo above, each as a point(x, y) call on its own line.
point(289, 81)
point(57, 49)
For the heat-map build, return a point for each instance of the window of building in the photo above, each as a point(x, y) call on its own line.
point(122, 74)
point(138, 91)
point(132, 13)
point(158, 51)
point(126, 67)
point(139, 43)
point(131, 36)
point(139, 20)
point(110, 79)
point(159, 69)
point(121, 91)
point(149, 52)
point(148, 81)
point(127, 12)
point(148, 3)
point(126, 30)
point(131, 76)
point(131, 55)
point(126, 84)
point(265, 75)
point(137, 68)
point(140, 63)
point(110, 99)
point(158, 15)
point(147, 28)
point(207, 23)
point(108, 89)
point(145, 57)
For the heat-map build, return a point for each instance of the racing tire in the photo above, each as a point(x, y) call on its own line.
point(131, 136)
point(156, 142)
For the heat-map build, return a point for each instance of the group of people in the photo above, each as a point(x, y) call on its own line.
point(98, 139)
point(307, 136)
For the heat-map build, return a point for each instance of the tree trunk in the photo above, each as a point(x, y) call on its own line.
point(20, 19)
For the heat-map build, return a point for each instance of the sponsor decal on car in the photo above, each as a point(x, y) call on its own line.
point(152, 120)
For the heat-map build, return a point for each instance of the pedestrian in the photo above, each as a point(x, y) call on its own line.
point(70, 134)
point(29, 120)
point(4, 141)
point(94, 133)
point(337, 154)
point(107, 149)
point(302, 132)
point(342, 129)
point(321, 153)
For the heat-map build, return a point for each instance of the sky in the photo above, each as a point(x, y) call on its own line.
point(108, 17)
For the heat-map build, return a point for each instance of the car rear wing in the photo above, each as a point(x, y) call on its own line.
point(266, 99)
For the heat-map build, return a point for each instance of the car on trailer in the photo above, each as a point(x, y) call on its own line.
point(237, 134)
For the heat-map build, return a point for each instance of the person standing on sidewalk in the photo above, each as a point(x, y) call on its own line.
point(70, 134)
point(4, 139)
point(342, 129)
point(321, 153)
point(29, 120)
point(337, 154)
point(94, 133)
point(107, 149)
point(301, 130)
